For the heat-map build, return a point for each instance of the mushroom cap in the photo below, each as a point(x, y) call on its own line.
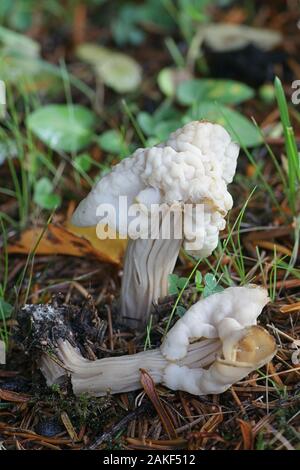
point(193, 166)
point(220, 315)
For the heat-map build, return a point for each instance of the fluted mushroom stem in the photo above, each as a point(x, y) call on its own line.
point(122, 374)
point(147, 266)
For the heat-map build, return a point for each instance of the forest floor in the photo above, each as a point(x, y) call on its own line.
point(43, 260)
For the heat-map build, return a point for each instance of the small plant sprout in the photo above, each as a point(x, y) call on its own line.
point(215, 344)
point(191, 169)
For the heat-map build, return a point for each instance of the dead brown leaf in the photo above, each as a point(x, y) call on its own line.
point(149, 387)
point(69, 240)
point(247, 434)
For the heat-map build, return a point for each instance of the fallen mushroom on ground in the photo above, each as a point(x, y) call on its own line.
point(193, 167)
point(215, 344)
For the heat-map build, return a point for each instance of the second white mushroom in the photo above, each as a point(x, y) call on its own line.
point(215, 344)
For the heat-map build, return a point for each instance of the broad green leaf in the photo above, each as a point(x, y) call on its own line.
point(173, 288)
point(92, 53)
point(210, 281)
point(13, 42)
point(8, 149)
point(163, 129)
point(176, 283)
point(181, 282)
point(166, 112)
point(44, 196)
point(241, 129)
point(198, 280)
point(112, 141)
point(166, 82)
point(62, 127)
point(170, 78)
point(224, 91)
point(125, 27)
point(5, 309)
point(211, 285)
point(160, 124)
point(117, 70)
point(267, 93)
point(83, 162)
point(146, 122)
point(152, 141)
point(207, 291)
point(120, 72)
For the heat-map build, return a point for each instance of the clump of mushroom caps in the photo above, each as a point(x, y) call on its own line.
point(192, 167)
point(215, 344)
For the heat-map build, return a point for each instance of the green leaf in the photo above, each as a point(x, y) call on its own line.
point(169, 78)
point(241, 129)
point(210, 281)
point(13, 42)
point(165, 80)
point(120, 72)
point(5, 309)
point(217, 289)
point(211, 285)
point(198, 281)
point(44, 196)
point(92, 53)
point(206, 292)
point(8, 149)
point(173, 288)
point(206, 89)
point(62, 127)
point(124, 27)
point(146, 122)
point(176, 283)
point(163, 129)
point(267, 93)
point(181, 282)
point(160, 124)
point(166, 112)
point(112, 141)
point(83, 162)
point(117, 70)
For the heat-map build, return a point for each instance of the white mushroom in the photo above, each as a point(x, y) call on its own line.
point(215, 344)
point(193, 167)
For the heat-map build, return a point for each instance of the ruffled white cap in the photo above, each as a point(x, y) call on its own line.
point(193, 166)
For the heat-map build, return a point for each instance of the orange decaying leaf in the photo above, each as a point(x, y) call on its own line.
point(69, 240)
point(247, 433)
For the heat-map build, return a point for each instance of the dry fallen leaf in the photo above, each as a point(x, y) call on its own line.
point(69, 240)
point(247, 433)
point(149, 387)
